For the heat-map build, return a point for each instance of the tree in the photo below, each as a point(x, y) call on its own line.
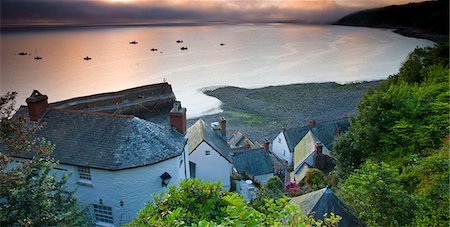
point(29, 194)
point(405, 117)
point(376, 193)
point(198, 203)
point(315, 179)
point(429, 181)
point(274, 187)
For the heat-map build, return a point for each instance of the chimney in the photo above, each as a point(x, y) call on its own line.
point(223, 127)
point(37, 105)
point(318, 147)
point(312, 122)
point(247, 144)
point(177, 117)
point(266, 144)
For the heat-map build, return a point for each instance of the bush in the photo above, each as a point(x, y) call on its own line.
point(315, 179)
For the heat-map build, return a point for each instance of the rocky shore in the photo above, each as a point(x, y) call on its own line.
point(263, 112)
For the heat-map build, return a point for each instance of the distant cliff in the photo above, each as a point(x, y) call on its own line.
point(429, 20)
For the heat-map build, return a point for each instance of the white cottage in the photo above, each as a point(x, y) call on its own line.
point(209, 154)
point(284, 143)
point(115, 162)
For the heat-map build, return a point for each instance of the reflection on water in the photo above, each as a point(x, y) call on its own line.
point(253, 56)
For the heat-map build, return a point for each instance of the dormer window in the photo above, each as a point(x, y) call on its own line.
point(207, 153)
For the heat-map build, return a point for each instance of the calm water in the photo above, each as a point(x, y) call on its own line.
point(253, 56)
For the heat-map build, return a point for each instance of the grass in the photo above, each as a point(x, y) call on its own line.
point(245, 118)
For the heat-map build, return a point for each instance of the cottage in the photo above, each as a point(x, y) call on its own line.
point(254, 162)
point(324, 201)
point(209, 153)
point(239, 141)
point(310, 153)
point(284, 143)
point(115, 162)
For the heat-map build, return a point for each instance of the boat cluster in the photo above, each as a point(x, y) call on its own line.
point(87, 58)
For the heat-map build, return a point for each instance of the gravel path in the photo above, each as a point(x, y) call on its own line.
point(263, 112)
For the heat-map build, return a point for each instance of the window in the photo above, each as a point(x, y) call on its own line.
point(207, 152)
point(181, 162)
point(84, 173)
point(103, 213)
point(284, 152)
point(279, 140)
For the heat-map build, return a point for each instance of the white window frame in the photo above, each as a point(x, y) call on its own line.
point(84, 175)
point(103, 215)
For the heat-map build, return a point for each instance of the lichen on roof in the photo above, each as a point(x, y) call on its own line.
point(107, 141)
point(200, 132)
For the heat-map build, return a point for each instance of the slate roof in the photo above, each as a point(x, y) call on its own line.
point(324, 131)
point(107, 141)
point(294, 135)
point(304, 155)
point(200, 132)
point(323, 201)
point(304, 151)
point(254, 162)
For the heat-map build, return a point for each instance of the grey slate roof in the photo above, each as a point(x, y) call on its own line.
point(324, 131)
point(107, 141)
point(294, 135)
point(253, 162)
point(323, 201)
point(200, 132)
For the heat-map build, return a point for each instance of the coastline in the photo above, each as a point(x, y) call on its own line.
point(263, 112)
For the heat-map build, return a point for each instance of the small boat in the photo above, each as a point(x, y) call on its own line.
point(154, 49)
point(179, 41)
point(222, 44)
point(184, 48)
point(134, 42)
point(22, 53)
point(36, 57)
point(87, 58)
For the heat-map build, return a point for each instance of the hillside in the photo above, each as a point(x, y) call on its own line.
point(429, 20)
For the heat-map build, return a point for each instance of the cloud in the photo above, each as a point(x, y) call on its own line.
point(144, 11)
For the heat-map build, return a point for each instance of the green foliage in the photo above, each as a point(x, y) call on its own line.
point(197, 203)
point(315, 179)
point(29, 194)
point(429, 181)
point(406, 116)
point(401, 126)
point(375, 192)
point(275, 188)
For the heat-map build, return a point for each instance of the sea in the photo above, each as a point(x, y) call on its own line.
point(244, 55)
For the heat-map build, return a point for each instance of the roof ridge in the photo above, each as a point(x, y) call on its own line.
point(202, 128)
point(92, 113)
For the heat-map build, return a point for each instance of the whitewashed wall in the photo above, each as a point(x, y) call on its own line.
point(281, 149)
point(213, 167)
point(134, 186)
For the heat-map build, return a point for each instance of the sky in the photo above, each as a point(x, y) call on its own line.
point(162, 11)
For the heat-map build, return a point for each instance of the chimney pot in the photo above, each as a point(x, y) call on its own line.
point(223, 127)
point(312, 122)
point(266, 144)
point(177, 117)
point(37, 105)
point(319, 147)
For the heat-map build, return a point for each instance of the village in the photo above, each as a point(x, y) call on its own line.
point(122, 147)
